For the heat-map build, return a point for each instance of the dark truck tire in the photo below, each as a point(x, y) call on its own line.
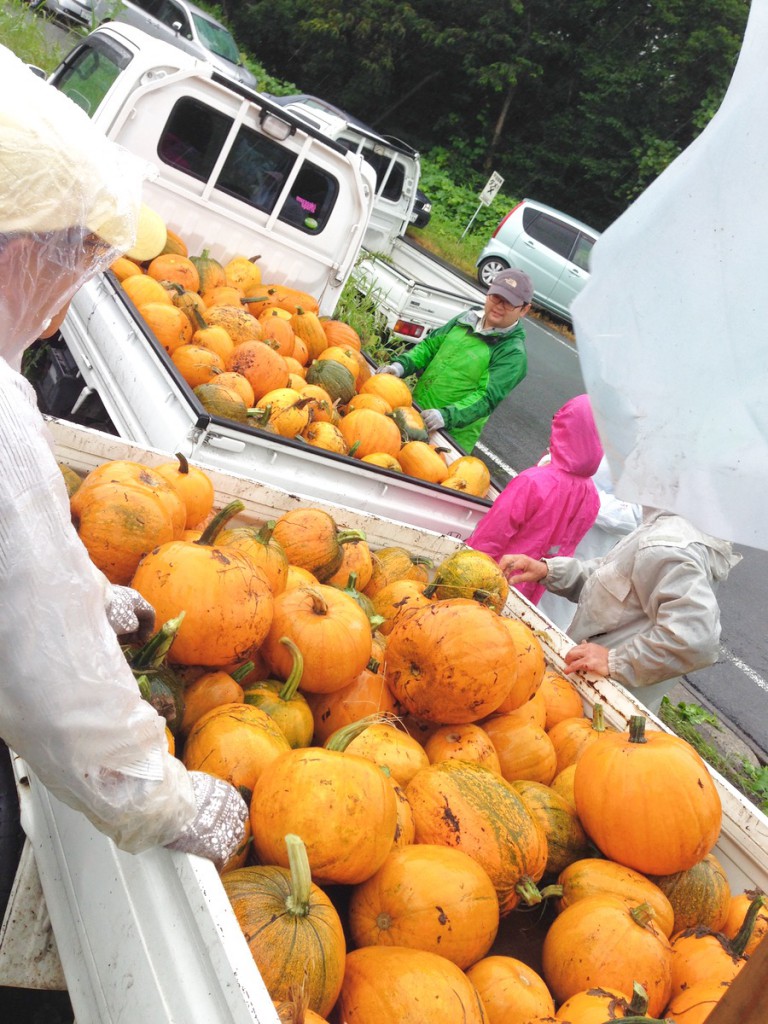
point(11, 834)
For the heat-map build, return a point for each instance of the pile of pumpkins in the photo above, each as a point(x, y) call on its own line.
point(259, 354)
point(421, 783)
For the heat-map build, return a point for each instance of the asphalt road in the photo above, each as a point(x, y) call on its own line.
point(736, 688)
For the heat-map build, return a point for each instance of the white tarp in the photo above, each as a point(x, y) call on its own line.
point(671, 328)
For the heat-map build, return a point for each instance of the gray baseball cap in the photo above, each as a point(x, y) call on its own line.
point(513, 285)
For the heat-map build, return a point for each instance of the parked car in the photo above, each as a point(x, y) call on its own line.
point(550, 246)
point(182, 24)
point(422, 210)
point(79, 11)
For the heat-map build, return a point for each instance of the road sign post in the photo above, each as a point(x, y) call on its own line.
point(487, 196)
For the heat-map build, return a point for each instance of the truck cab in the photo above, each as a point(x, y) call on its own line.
point(396, 165)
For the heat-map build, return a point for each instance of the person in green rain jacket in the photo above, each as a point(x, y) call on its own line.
point(467, 366)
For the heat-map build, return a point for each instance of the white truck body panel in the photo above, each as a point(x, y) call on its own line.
point(153, 937)
point(414, 292)
point(146, 399)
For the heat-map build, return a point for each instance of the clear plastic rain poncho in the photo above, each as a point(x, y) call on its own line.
point(671, 326)
point(69, 704)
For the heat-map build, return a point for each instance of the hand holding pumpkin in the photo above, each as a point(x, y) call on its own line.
point(218, 828)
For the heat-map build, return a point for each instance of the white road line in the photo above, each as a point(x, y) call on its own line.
point(495, 458)
point(755, 677)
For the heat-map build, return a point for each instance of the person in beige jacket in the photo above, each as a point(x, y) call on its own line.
point(646, 611)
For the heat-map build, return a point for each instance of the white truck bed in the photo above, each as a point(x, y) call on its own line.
point(151, 937)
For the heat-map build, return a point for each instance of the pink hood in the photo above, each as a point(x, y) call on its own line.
point(546, 510)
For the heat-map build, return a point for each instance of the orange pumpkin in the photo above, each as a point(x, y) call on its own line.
point(307, 326)
point(243, 273)
point(312, 540)
point(339, 333)
point(364, 401)
point(239, 325)
point(217, 340)
point(292, 929)
point(562, 698)
point(264, 368)
point(367, 431)
point(600, 1006)
point(227, 612)
point(438, 675)
point(737, 912)
point(197, 364)
point(468, 742)
point(238, 383)
point(534, 710)
point(592, 876)
point(696, 1004)
point(135, 474)
point(525, 751)
point(211, 690)
point(122, 267)
point(397, 598)
point(283, 410)
point(168, 323)
point(385, 461)
point(420, 459)
point(177, 268)
point(396, 906)
point(343, 804)
point(469, 475)
point(397, 985)
point(282, 701)
point(234, 742)
point(395, 563)
point(278, 333)
point(259, 544)
point(356, 558)
point(330, 629)
point(192, 484)
point(530, 665)
point(392, 389)
point(572, 736)
point(326, 436)
point(346, 356)
point(460, 804)
point(511, 992)
point(142, 289)
point(367, 694)
point(647, 800)
point(700, 955)
point(601, 942)
point(379, 741)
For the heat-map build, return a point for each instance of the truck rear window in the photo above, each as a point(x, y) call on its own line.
point(257, 170)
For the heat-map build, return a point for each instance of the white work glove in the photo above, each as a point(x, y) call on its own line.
point(128, 613)
point(219, 825)
point(433, 419)
point(396, 369)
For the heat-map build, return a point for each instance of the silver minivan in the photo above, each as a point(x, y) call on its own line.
point(550, 246)
point(184, 25)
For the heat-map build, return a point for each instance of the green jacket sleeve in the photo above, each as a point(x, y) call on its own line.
point(421, 355)
point(508, 366)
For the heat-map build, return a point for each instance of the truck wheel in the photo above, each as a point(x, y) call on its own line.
point(489, 268)
point(11, 834)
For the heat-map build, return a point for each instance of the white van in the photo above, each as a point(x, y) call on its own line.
point(550, 246)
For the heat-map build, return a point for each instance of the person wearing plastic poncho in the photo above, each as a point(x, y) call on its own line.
point(69, 704)
point(647, 611)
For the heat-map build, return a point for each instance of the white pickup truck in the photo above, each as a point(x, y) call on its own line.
point(152, 937)
point(413, 290)
point(215, 144)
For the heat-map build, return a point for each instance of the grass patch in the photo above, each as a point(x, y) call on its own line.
point(22, 32)
point(688, 721)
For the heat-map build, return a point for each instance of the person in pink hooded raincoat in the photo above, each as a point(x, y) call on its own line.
point(547, 509)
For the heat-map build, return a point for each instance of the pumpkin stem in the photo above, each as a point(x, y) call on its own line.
point(551, 891)
point(217, 524)
point(301, 877)
point(341, 738)
point(345, 536)
point(239, 673)
point(183, 463)
point(319, 604)
point(739, 942)
point(155, 649)
point(528, 891)
point(643, 914)
point(638, 1005)
point(291, 685)
point(637, 729)
point(598, 718)
point(373, 665)
point(255, 298)
point(264, 536)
